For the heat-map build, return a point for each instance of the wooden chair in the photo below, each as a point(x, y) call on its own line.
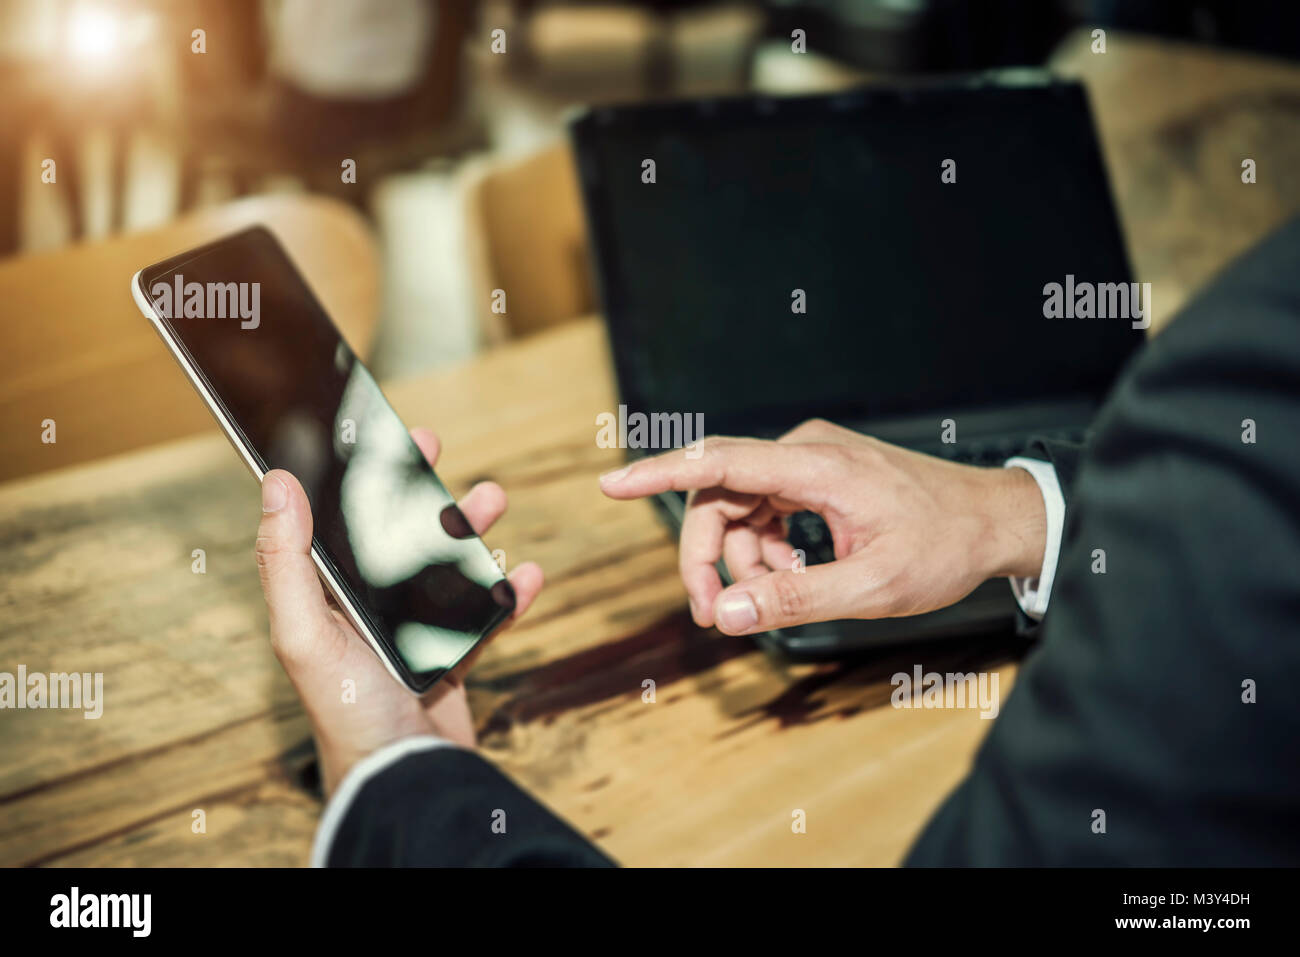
point(244, 123)
point(78, 351)
point(527, 237)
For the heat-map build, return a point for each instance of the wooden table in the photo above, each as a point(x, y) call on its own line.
point(1176, 120)
point(95, 576)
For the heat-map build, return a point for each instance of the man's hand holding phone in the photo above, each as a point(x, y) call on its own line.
point(321, 651)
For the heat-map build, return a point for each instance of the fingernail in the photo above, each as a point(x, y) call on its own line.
point(503, 593)
point(737, 613)
point(454, 522)
point(611, 478)
point(274, 494)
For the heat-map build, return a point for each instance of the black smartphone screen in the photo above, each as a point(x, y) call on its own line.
point(286, 381)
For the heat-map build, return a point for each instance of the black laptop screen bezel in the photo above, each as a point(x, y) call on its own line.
point(586, 127)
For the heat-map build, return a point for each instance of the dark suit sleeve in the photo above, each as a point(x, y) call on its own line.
point(450, 807)
point(1158, 701)
point(1064, 457)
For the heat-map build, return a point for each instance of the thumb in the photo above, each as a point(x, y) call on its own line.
point(783, 599)
point(294, 597)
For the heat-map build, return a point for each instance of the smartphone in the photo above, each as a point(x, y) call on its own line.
point(389, 541)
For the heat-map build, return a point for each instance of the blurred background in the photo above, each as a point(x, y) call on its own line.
point(153, 110)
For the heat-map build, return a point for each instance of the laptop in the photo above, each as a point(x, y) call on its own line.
point(920, 224)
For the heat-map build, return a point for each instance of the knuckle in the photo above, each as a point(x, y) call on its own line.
point(865, 454)
point(885, 596)
point(811, 429)
point(841, 459)
point(712, 453)
point(269, 553)
point(711, 446)
point(885, 602)
point(789, 600)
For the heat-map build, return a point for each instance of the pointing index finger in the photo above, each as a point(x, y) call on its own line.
point(741, 465)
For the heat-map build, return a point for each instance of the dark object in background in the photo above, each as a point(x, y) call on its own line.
point(1261, 26)
point(257, 123)
point(924, 35)
point(943, 35)
point(924, 299)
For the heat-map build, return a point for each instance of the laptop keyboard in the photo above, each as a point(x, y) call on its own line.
point(808, 533)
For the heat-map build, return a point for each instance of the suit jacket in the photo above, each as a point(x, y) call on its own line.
point(1152, 722)
point(1152, 725)
point(446, 806)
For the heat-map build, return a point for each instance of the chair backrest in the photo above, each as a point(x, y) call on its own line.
point(78, 352)
point(528, 240)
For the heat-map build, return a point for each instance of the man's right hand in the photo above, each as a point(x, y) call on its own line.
point(912, 532)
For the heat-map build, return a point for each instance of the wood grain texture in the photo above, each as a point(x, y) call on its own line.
point(96, 569)
point(1176, 120)
point(78, 351)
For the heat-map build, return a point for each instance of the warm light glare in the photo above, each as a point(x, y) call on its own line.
point(93, 33)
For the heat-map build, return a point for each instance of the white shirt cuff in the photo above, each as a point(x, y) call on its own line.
point(1032, 594)
point(355, 779)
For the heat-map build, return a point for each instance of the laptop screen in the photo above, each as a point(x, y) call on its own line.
point(819, 256)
